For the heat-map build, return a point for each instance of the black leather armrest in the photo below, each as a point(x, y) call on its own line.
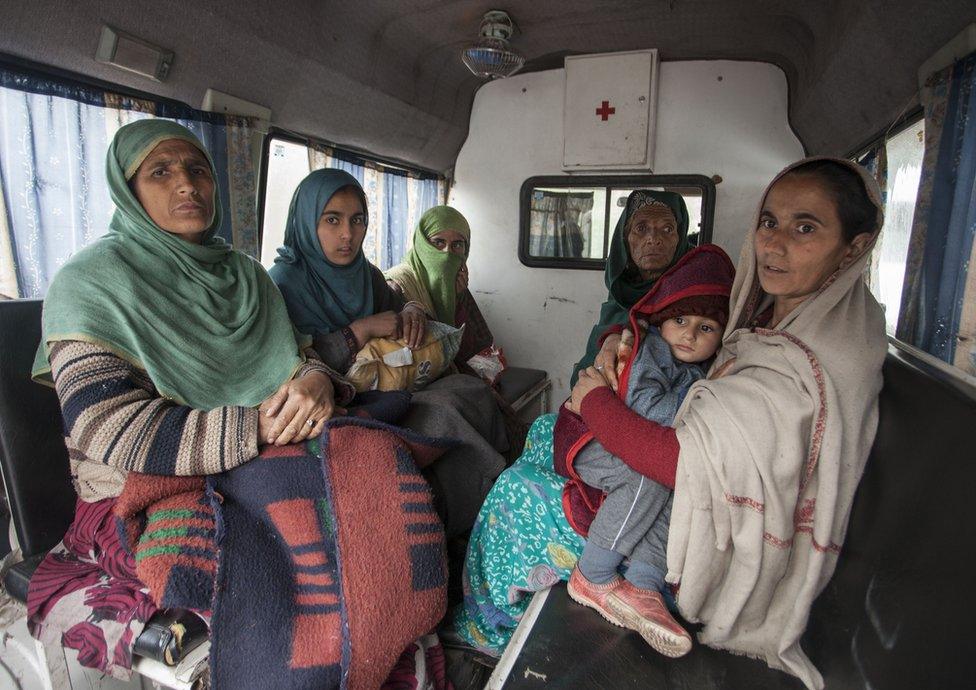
point(168, 636)
point(18, 577)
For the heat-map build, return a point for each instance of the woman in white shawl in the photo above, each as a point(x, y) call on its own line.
point(773, 445)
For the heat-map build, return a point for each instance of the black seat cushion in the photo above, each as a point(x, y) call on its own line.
point(897, 612)
point(33, 457)
point(514, 382)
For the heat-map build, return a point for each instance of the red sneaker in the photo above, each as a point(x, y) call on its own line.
point(587, 593)
point(643, 610)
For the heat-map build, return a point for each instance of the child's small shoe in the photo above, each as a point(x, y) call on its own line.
point(643, 610)
point(587, 593)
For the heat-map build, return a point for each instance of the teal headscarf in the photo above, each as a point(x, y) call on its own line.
point(624, 284)
point(322, 297)
point(434, 270)
point(204, 321)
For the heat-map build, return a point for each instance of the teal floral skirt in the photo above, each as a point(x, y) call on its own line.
point(521, 543)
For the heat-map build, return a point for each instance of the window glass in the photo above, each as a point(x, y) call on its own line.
point(941, 313)
point(287, 166)
point(568, 222)
point(904, 155)
point(693, 201)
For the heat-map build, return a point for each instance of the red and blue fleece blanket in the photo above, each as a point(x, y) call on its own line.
point(322, 563)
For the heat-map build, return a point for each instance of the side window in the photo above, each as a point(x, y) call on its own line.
point(284, 167)
point(396, 196)
point(920, 268)
point(899, 161)
point(567, 222)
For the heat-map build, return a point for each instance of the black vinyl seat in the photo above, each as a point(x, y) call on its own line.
point(899, 609)
point(518, 386)
point(34, 465)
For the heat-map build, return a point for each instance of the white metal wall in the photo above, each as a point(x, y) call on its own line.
point(714, 118)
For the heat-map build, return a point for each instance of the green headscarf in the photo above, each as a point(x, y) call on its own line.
point(623, 283)
point(322, 297)
point(204, 321)
point(436, 271)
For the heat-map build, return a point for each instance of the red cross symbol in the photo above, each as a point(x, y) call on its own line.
point(605, 111)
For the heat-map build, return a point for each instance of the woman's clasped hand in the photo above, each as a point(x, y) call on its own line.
point(298, 410)
point(590, 379)
point(410, 324)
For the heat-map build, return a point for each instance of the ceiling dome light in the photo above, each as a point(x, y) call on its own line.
point(491, 57)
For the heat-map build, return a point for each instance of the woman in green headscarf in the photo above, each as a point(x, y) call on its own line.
point(171, 353)
point(650, 236)
point(435, 275)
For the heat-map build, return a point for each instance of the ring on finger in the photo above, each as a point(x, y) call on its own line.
point(310, 422)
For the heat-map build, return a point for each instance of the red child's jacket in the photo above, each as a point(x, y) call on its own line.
point(705, 270)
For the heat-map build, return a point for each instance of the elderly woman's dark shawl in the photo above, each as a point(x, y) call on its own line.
point(623, 282)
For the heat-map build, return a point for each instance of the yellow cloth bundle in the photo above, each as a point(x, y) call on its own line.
point(386, 364)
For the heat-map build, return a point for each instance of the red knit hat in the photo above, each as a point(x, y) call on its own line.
point(697, 285)
point(714, 307)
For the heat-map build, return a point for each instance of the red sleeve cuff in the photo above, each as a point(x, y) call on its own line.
point(646, 446)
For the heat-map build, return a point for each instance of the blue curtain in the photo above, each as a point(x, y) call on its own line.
point(52, 158)
point(396, 208)
point(215, 139)
point(396, 200)
point(354, 169)
point(429, 193)
point(53, 140)
point(945, 224)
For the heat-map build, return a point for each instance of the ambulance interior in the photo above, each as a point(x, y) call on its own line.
point(704, 97)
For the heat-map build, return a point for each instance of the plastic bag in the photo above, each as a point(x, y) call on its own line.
point(489, 363)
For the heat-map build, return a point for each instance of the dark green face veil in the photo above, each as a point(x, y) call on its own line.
point(624, 284)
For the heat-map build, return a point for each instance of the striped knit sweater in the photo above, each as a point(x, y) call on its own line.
point(115, 421)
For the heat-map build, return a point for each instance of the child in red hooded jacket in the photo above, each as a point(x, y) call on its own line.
point(684, 315)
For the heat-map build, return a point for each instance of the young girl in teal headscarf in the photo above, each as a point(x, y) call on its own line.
point(341, 301)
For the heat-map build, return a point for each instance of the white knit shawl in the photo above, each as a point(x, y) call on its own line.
point(771, 455)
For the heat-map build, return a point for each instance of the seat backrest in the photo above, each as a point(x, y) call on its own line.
point(898, 612)
point(33, 457)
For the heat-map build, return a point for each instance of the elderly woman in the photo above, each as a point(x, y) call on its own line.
point(172, 354)
point(335, 295)
point(764, 457)
point(434, 274)
point(651, 234)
